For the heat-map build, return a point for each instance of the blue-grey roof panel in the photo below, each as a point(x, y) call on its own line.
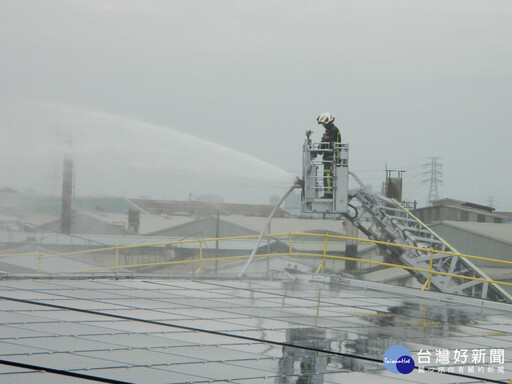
point(261, 331)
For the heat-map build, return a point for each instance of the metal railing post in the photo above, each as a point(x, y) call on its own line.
point(200, 268)
point(427, 283)
point(430, 267)
point(321, 267)
point(290, 245)
point(117, 258)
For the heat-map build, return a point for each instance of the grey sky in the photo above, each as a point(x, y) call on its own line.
point(406, 79)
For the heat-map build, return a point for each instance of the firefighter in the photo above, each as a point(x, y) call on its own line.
point(331, 135)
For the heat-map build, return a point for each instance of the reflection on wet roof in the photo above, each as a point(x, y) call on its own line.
point(182, 331)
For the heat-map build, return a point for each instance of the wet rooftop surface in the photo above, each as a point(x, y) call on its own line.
point(205, 331)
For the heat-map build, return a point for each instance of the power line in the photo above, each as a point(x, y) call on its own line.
point(63, 372)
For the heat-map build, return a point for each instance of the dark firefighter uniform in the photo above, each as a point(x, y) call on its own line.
point(331, 135)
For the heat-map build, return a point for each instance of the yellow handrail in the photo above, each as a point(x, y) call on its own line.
point(22, 254)
point(321, 267)
point(290, 254)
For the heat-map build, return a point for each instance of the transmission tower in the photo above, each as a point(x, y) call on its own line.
point(434, 178)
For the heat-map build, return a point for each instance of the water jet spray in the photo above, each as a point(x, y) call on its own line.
point(297, 184)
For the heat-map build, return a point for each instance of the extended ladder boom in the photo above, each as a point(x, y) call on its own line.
point(385, 220)
point(391, 222)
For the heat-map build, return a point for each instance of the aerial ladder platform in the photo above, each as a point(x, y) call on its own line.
point(388, 221)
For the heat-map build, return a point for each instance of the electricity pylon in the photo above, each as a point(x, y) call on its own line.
point(435, 178)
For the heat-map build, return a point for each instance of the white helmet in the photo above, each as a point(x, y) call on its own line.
point(325, 118)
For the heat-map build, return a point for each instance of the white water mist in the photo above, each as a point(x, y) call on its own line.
point(120, 156)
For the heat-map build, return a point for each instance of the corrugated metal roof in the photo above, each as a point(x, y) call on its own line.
point(44, 238)
point(499, 273)
point(147, 224)
point(286, 225)
point(35, 219)
point(194, 207)
point(500, 232)
point(52, 204)
point(152, 223)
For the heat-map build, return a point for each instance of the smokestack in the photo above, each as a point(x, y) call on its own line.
point(393, 187)
point(133, 220)
point(67, 189)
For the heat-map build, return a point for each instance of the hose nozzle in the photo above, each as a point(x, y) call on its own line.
point(298, 182)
